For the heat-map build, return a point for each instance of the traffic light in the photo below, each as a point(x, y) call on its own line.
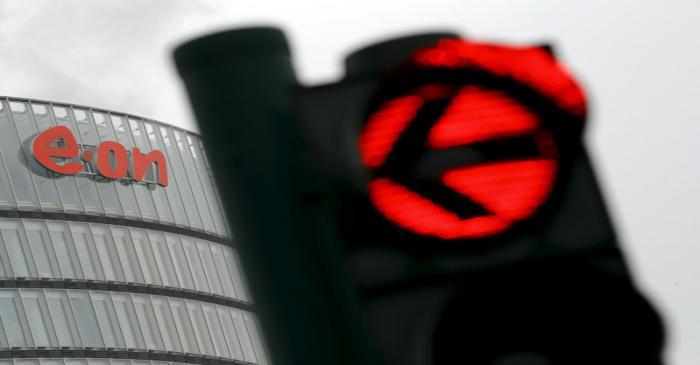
point(442, 190)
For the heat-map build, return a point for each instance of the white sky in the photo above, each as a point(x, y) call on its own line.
point(638, 60)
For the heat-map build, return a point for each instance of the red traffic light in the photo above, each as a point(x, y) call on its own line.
point(450, 126)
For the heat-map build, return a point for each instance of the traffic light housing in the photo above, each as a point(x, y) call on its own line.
point(469, 221)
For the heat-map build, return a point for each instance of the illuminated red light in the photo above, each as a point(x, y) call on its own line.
point(420, 215)
point(531, 66)
point(509, 189)
point(476, 115)
point(385, 126)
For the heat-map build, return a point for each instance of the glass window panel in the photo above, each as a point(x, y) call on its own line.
point(145, 201)
point(108, 189)
point(79, 192)
point(85, 127)
point(66, 256)
point(125, 191)
point(172, 190)
point(38, 318)
point(102, 127)
point(207, 183)
point(51, 361)
point(128, 320)
point(209, 267)
point(161, 202)
point(127, 362)
point(243, 335)
point(253, 330)
point(107, 253)
point(89, 262)
point(194, 263)
point(26, 362)
point(182, 269)
point(143, 196)
point(10, 318)
point(3, 337)
point(163, 260)
point(193, 179)
point(40, 244)
point(90, 191)
point(5, 266)
point(217, 333)
point(15, 162)
point(147, 321)
point(75, 361)
point(142, 139)
point(17, 106)
point(222, 269)
point(200, 327)
point(107, 320)
point(234, 343)
point(17, 250)
point(234, 270)
point(127, 255)
point(166, 324)
point(145, 256)
point(4, 262)
point(62, 317)
point(180, 175)
point(43, 182)
point(67, 188)
point(137, 131)
point(98, 362)
point(85, 318)
point(184, 326)
point(7, 198)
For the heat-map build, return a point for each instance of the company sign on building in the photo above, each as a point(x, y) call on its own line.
point(113, 244)
point(109, 159)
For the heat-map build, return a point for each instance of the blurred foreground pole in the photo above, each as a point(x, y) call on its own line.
point(241, 85)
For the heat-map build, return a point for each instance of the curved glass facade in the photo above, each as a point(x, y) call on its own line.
point(141, 273)
point(190, 200)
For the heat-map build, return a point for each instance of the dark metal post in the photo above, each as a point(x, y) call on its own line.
point(242, 85)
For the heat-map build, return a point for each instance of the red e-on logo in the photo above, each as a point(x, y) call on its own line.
point(113, 161)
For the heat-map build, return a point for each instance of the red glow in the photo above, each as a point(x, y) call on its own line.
point(510, 190)
point(531, 66)
point(384, 127)
point(420, 215)
point(434, 91)
point(476, 114)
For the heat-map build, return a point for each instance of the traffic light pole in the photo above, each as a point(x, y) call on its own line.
point(241, 85)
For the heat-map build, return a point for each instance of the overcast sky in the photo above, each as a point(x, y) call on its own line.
point(638, 60)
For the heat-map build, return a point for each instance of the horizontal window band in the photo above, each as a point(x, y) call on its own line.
point(129, 222)
point(126, 288)
point(91, 353)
